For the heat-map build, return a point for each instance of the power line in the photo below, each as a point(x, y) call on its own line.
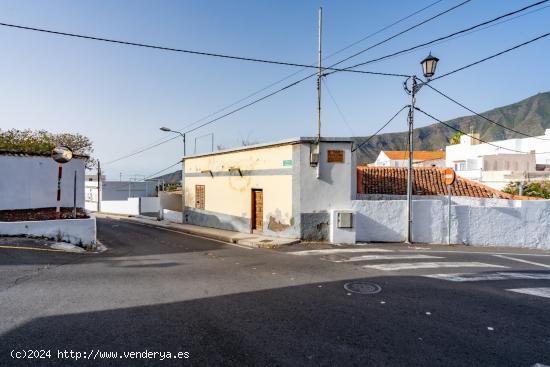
point(493, 56)
point(444, 37)
point(387, 27)
point(383, 126)
point(474, 31)
point(162, 170)
point(142, 150)
point(342, 116)
point(474, 137)
point(307, 77)
point(172, 49)
point(330, 55)
point(483, 117)
point(310, 75)
point(402, 32)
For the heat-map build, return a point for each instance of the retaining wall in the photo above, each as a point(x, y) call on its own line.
point(76, 231)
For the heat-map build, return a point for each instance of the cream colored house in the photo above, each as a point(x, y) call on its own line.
point(275, 188)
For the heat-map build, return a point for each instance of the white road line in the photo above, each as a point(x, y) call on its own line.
point(431, 265)
point(539, 292)
point(385, 257)
point(473, 277)
point(330, 251)
point(473, 252)
point(523, 261)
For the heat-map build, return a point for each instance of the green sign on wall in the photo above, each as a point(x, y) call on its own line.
point(287, 163)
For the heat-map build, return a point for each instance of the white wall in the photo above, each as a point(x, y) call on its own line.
point(335, 187)
point(75, 231)
point(170, 201)
point(31, 182)
point(149, 204)
point(488, 223)
point(129, 207)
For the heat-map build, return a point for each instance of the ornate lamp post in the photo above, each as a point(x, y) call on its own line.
point(429, 65)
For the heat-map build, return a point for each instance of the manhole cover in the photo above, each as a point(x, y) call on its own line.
point(362, 287)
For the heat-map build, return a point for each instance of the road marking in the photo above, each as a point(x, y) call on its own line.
point(329, 251)
point(474, 252)
point(385, 257)
point(539, 292)
point(523, 261)
point(36, 249)
point(473, 277)
point(431, 265)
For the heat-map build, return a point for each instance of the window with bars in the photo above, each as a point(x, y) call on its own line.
point(199, 196)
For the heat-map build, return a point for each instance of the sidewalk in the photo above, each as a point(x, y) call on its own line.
point(244, 239)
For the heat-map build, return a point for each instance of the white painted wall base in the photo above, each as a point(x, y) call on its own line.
point(76, 231)
point(341, 235)
point(519, 223)
point(172, 216)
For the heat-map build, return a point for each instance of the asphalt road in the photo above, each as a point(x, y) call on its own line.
point(156, 290)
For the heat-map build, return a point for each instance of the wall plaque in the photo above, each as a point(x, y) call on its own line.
point(335, 156)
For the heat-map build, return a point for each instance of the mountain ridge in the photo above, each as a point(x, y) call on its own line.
point(530, 116)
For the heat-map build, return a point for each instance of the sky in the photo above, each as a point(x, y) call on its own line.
point(119, 96)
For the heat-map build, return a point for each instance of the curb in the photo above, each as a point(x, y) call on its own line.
point(223, 238)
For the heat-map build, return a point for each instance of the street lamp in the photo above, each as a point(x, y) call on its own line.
point(428, 69)
point(167, 129)
point(428, 65)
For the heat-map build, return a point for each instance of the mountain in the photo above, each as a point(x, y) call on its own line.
point(169, 178)
point(530, 116)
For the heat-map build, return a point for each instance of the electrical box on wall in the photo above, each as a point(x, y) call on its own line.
point(344, 220)
point(341, 226)
point(314, 159)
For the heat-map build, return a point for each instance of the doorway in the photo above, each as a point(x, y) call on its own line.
point(257, 210)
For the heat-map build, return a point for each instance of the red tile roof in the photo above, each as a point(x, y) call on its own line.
point(426, 181)
point(418, 155)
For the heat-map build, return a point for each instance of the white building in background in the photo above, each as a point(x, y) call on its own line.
point(400, 158)
point(502, 161)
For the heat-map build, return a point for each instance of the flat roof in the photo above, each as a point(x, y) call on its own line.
point(297, 140)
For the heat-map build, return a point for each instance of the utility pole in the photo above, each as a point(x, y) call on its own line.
point(428, 68)
point(319, 76)
point(99, 186)
point(410, 175)
point(74, 196)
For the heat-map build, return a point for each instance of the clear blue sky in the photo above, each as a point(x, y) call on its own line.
point(120, 95)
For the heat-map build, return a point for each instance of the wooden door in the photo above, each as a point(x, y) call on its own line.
point(257, 210)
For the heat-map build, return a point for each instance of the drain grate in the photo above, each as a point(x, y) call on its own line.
point(363, 287)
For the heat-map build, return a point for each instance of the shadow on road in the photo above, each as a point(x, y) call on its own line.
point(413, 322)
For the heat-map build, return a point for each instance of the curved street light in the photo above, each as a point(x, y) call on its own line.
point(167, 129)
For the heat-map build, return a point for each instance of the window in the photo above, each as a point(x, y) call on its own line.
point(199, 196)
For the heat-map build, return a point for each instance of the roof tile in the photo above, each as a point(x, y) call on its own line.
point(426, 181)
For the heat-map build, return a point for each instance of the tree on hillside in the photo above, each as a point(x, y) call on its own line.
point(42, 141)
point(455, 139)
